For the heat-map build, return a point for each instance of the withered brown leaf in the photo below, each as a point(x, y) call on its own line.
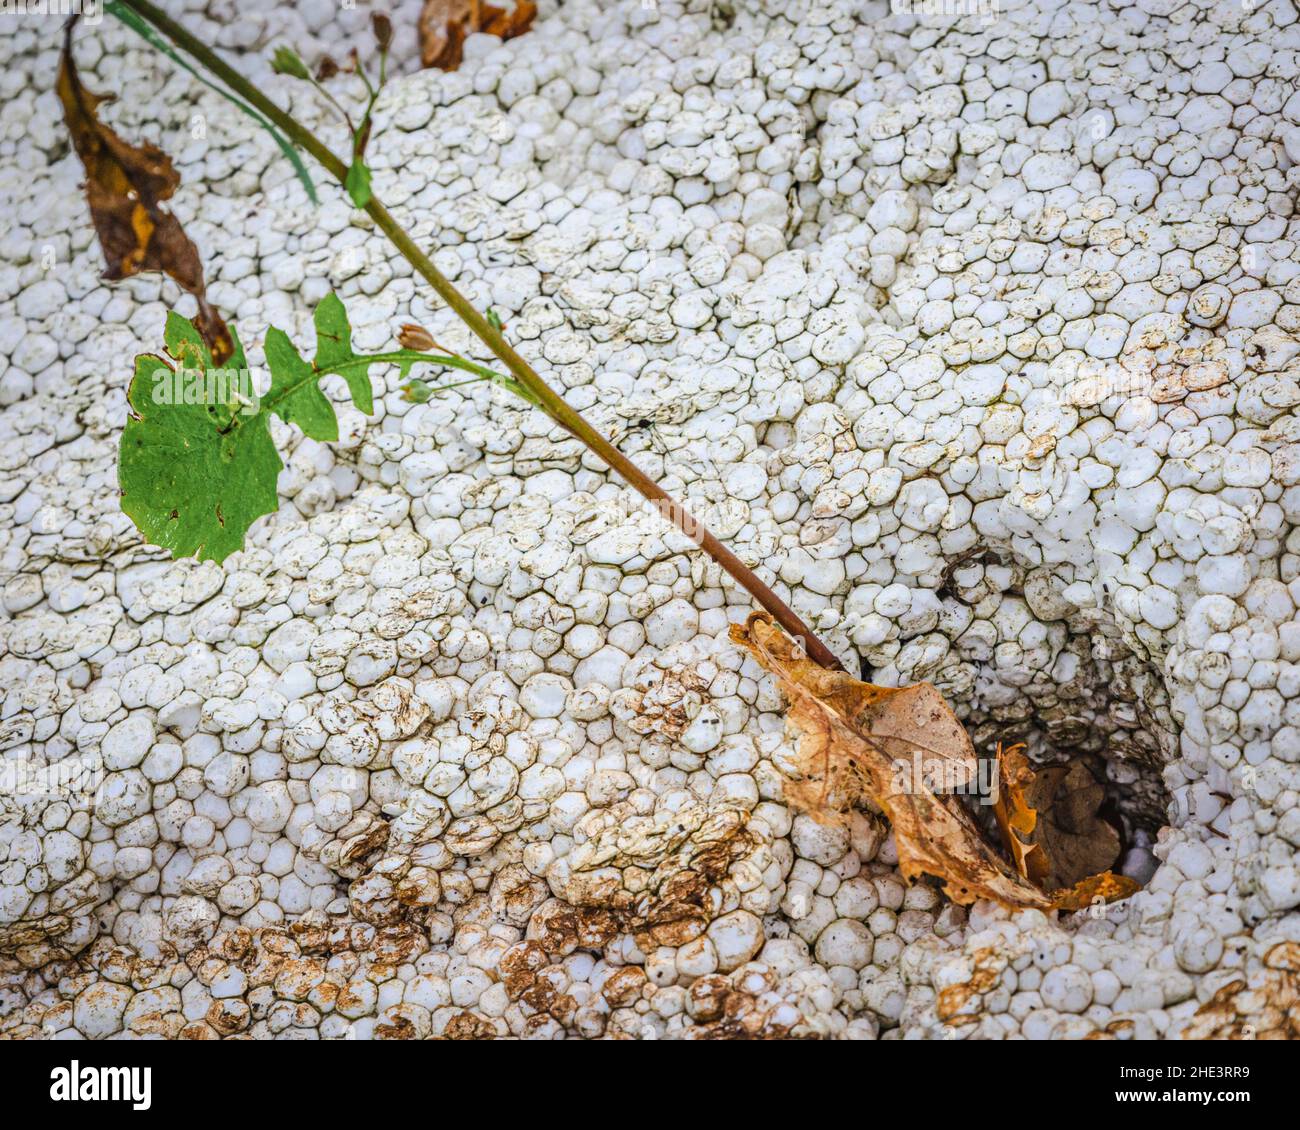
point(1075, 841)
point(1105, 886)
point(1016, 818)
point(125, 185)
point(444, 24)
point(861, 741)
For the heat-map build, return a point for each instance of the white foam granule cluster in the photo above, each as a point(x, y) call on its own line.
point(975, 336)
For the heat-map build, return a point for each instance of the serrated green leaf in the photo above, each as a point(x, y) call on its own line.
point(334, 351)
point(193, 477)
point(186, 345)
point(295, 394)
point(197, 471)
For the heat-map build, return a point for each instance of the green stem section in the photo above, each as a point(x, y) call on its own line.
point(411, 356)
point(538, 391)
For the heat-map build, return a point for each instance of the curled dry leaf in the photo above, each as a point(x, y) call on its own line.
point(444, 24)
point(125, 185)
point(904, 750)
point(1052, 830)
point(1016, 819)
point(1074, 841)
point(1105, 887)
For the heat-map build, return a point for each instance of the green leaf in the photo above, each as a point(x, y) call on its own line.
point(295, 392)
point(357, 182)
point(191, 482)
point(197, 464)
point(334, 351)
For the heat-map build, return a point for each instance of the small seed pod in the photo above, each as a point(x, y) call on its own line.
point(411, 336)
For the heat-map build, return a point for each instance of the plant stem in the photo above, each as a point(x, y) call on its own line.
point(398, 357)
point(546, 398)
point(347, 118)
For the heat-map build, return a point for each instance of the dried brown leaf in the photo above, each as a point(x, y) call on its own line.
point(1074, 841)
point(444, 24)
point(1015, 818)
point(861, 741)
point(1105, 887)
point(125, 185)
